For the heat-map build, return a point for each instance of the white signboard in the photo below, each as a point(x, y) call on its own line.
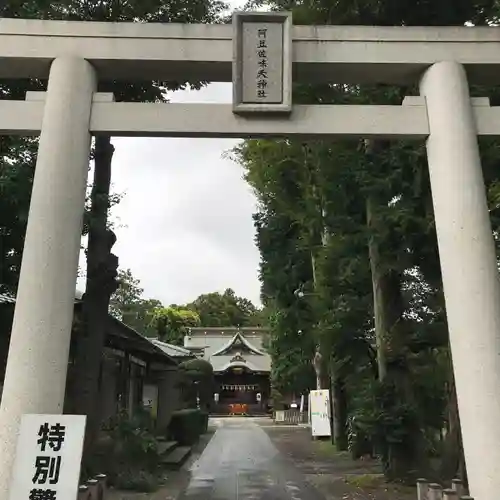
point(262, 77)
point(48, 457)
point(319, 408)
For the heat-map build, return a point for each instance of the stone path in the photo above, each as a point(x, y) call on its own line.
point(241, 463)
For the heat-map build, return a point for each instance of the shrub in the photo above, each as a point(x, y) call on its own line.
point(187, 425)
point(204, 421)
point(128, 453)
point(197, 380)
point(132, 479)
point(382, 422)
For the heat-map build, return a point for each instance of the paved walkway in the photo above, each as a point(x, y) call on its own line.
point(240, 462)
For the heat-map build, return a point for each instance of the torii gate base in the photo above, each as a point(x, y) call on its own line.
point(36, 368)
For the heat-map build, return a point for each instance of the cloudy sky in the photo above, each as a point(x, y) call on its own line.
point(184, 225)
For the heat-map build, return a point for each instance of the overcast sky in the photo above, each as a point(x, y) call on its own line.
point(184, 225)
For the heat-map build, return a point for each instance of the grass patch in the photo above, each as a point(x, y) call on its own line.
point(327, 449)
point(366, 481)
point(372, 483)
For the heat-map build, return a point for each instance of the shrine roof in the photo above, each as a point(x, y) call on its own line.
point(215, 344)
point(253, 363)
point(238, 338)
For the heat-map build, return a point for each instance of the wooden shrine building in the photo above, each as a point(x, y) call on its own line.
point(241, 366)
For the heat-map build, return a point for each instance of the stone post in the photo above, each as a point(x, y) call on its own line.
point(35, 375)
point(469, 269)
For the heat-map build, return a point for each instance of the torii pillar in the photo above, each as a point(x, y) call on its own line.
point(469, 269)
point(35, 375)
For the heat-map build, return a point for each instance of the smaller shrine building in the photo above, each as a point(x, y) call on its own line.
point(241, 364)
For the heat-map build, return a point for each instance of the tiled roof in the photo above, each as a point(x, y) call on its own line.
point(215, 342)
point(140, 342)
point(172, 350)
point(231, 342)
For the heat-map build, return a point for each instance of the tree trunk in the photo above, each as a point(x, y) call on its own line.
point(100, 284)
point(339, 396)
point(388, 306)
point(381, 325)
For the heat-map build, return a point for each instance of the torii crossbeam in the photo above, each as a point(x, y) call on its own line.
point(73, 56)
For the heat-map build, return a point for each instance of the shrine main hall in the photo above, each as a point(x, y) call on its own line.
point(241, 365)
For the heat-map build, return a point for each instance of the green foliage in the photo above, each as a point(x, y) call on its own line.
point(141, 481)
point(226, 309)
point(388, 423)
point(17, 167)
point(128, 306)
point(188, 425)
point(128, 453)
point(173, 323)
point(197, 369)
point(340, 219)
point(152, 319)
point(197, 381)
point(18, 155)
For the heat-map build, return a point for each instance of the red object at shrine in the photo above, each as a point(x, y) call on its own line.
point(238, 409)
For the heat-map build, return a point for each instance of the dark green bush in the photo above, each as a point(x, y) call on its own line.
point(187, 425)
point(204, 421)
point(138, 480)
point(197, 381)
point(383, 424)
point(128, 453)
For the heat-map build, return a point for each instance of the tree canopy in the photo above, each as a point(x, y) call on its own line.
point(225, 309)
point(350, 224)
point(171, 323)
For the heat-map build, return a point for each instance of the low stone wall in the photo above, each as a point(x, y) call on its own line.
point(434, 491)
point(94, 489)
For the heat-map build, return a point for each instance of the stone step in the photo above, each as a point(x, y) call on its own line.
point(166, 447)
point(177, 457)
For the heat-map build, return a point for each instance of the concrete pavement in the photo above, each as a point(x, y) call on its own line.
point(240, 462)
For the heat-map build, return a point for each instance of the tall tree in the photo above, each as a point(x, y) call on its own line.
point(377, 209)
point(96, 301)
point(226, 309)
point(128, 305)
point(173, 323)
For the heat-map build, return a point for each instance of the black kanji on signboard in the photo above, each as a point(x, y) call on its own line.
point(54, 435)
point(47, 469)
point(39, 494)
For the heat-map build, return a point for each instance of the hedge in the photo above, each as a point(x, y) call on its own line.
point(187, 425)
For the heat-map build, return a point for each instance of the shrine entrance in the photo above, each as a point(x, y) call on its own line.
point(241, 365)
point(242, 392)
point(257, 53)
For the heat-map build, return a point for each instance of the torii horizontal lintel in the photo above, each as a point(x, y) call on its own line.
point(190, 120)
point(204, 52)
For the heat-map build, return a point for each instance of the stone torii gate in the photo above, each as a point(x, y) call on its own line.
point(74, 55)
